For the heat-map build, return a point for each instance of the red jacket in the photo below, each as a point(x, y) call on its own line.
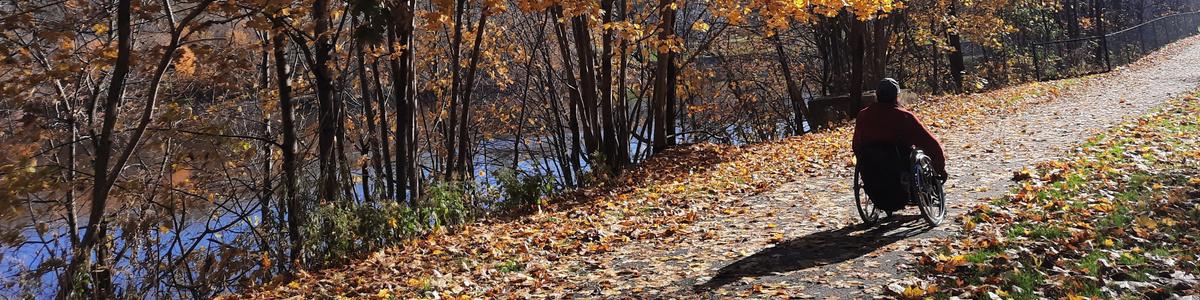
point(887, 122)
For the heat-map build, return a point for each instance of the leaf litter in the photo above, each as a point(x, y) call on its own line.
point(573, 248)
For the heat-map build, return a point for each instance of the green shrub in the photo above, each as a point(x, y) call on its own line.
point(385, 223)
point(444, 205)
point(600, 171)
point(523, 191)
point(331, 234)
point(335, 232)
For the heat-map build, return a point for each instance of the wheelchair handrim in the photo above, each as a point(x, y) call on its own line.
point(866, 209)
point(933, 207)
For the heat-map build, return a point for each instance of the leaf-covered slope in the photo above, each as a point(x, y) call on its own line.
point(650, 204)
point(1119, 219)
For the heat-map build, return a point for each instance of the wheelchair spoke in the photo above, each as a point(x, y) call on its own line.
point(866, 209)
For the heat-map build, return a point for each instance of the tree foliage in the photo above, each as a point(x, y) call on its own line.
point(186, 148)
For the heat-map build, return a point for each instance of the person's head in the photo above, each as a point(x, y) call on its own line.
point(888, 91)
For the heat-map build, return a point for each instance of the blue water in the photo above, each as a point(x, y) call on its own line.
point(194, 237)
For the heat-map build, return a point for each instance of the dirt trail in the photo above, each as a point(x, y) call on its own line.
point(824, 254)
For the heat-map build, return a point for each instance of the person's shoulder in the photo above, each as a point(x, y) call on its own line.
point(876, 107)
point(905, 115)
point(905, 112)
point(866, 110)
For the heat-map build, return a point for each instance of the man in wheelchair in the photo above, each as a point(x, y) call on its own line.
point(884, 139)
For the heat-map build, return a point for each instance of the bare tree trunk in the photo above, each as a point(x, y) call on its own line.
point(957, 69)
point(369, 142)
point(574, 120)
point(857, 50)
point(412, 162)
point(268, 146)
point(672, 108)
point(327, 109)
point(400, 73)
point(799, 108)
point(568, 159)
point(566, 165)
point(346, 183)
point(587, 83)
point(519, 139)
point(106, 177)
point(879, 46)
point(407, 174)
point(622, 119)
point(661, 110)
point(287, 118)
point(464, 139)
point(104, 148)
point(66, 112)
point(612, 153)
point(455, 82)
point(384, 129)
point(827, 49)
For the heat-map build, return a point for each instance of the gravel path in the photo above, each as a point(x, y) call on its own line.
point(824, 254)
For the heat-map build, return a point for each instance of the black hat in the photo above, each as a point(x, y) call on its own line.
point(887, 91)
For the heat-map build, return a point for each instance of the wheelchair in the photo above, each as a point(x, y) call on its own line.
point(917, 179)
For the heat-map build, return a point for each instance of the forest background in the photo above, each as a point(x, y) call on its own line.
point(191, 148)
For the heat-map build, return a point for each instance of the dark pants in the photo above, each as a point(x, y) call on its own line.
point(885, 169)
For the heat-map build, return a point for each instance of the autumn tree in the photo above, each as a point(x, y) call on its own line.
point(213, 142)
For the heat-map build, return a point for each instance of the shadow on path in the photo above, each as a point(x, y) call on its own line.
point(818, 249)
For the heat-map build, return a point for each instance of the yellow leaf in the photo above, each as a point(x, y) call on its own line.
point(776, 237)
point(413, 282)
point(913, 292)
point(958, 260)
point(1147, 222)
point(100, 28)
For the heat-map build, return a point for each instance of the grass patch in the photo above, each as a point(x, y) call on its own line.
point(510, 266)
point(1089, 215)
point(1028, 281)
point(1091, 263)
point(982, 256)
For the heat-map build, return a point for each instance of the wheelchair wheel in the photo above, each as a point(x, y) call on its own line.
point(931, 199)
point(866, 208)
